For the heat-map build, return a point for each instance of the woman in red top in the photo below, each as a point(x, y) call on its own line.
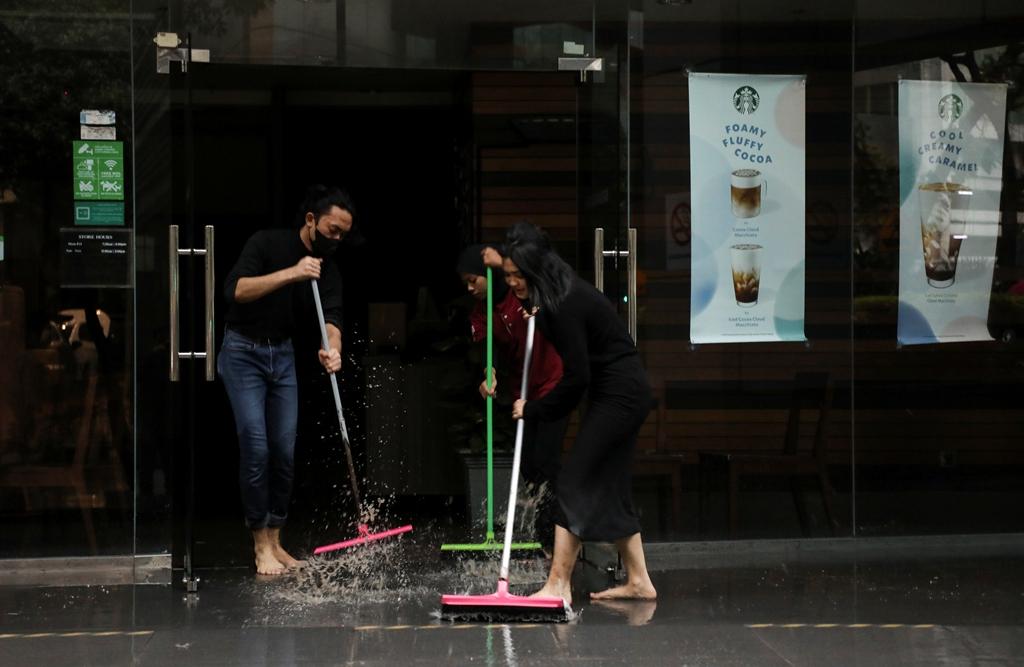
point(542, 440)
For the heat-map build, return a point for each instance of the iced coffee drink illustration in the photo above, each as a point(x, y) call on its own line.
point(747, 189)
point(944, 209)
point(746, 273)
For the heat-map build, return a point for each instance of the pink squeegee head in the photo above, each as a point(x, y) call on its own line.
point(502, 605)
point(365, 536)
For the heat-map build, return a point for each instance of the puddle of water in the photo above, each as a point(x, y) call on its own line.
point(391, 578)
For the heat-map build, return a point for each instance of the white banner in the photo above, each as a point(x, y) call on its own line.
point(747, 189)
point(951, 165)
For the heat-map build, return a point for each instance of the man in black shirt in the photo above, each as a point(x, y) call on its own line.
point(267, 293)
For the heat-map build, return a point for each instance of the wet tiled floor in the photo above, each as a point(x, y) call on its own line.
point(378, 611)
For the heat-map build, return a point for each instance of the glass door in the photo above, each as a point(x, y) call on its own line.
point(607, 253)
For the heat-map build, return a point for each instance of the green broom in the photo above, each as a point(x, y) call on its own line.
point(489, 544)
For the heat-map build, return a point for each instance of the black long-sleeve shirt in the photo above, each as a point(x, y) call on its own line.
point(274, 315)
point(595, 347)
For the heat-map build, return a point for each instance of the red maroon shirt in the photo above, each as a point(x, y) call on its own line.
point(510, 334)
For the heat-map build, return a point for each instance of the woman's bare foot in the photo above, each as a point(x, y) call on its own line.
point(638, 584)
point(628, 591)
point(550, 591)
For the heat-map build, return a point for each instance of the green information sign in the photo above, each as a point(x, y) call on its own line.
point(106, 213)
point(98, 170)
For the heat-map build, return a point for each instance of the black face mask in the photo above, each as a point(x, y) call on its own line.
point(323, 246)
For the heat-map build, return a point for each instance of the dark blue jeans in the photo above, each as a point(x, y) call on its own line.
point(261, 385)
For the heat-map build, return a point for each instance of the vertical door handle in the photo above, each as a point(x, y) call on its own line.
point(175, 294)
point(172, 262)
point(211, 365)
point(631, 288)
point(630, 255)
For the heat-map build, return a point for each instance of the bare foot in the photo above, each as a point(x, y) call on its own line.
point(286, 559)
point(629, 591)
point(553, 592)
point(266, 563)
point(273, 536)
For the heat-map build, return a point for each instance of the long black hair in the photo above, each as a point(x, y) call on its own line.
point(549, 277)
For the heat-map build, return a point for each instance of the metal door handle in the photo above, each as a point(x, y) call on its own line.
point(172, 263)
point(599, 259)
point(210, 277)
point(630, 254)
point(631, 286)
point(209, 281)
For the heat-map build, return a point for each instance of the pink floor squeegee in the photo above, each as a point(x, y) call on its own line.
point(364, 535)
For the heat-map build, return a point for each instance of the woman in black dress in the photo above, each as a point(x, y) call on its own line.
point(600, 358)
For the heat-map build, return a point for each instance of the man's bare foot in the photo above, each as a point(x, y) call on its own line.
point(282, 556)
point(286, 559)
point(629, 591)
point(550, 591)
point(263, 546)
point(267, 564)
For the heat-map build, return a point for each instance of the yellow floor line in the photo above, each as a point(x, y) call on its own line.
point(851, 626)
point(76, 633)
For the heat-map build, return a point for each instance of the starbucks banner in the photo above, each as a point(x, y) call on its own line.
point(747, 193)
point(951, 163)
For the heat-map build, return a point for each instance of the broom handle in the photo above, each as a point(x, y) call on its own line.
point(337, 405)
point(490, 408)
point(510, 517)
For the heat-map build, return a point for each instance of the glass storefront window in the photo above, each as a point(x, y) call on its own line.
point(759, 456)
point(449, 121)
point(936, 426)
point(66, 329)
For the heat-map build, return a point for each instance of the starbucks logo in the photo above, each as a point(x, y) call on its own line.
point(746, 100)
point(950, 108)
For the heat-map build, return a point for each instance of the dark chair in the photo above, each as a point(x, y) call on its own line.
point(812, 393)
point(87, 479)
